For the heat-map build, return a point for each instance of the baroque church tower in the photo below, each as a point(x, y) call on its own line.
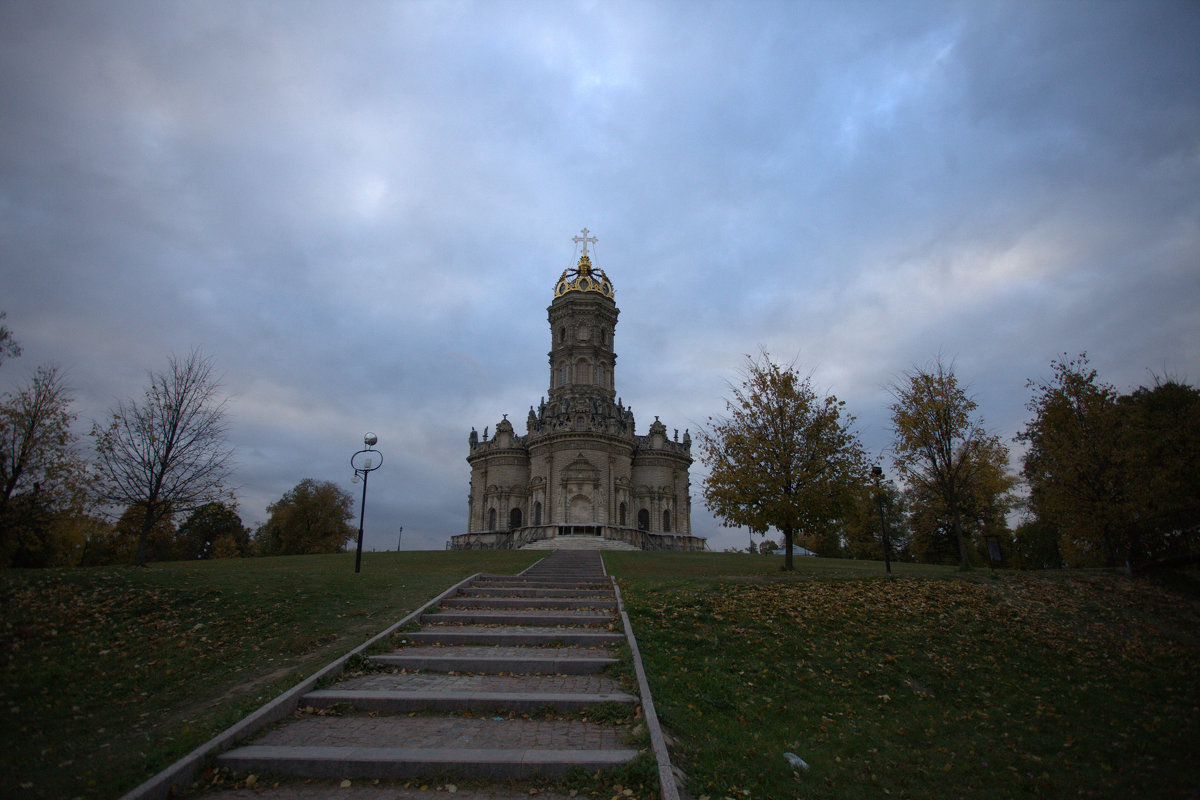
point(580, 469)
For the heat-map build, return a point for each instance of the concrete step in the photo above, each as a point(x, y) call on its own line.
point(404, 701)
point(414, 762)
point(363, 746)
point(495, 659)
point(514, 636)
point(539, 603)
point(521, 582)
point(525, 591)
point(578, 543)
point(499, 617)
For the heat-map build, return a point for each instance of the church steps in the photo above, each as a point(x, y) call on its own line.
point(413, 762)
point(519, 582)
point(528, 602)
point(397, 702)
point(460, 669)
point(527, 664)
point(578, 543)
point(516, 617)
point(514, 636)
point(521, 591)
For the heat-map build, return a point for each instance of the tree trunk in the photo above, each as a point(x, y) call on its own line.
point(148, 520)
point(787, 548)
point(964, 558)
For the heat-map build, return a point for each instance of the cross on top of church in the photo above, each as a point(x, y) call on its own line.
point(585, 239)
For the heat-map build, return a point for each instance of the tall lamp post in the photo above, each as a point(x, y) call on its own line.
point(877, 474)
point(363, 463)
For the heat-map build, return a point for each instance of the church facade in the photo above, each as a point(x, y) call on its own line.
point(580, 469)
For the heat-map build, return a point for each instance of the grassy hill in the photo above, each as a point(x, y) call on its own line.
point(929, 684)
point(110, 674)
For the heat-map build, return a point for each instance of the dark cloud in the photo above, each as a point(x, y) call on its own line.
point(359, 211)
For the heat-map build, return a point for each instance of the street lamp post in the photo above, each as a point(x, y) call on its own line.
point(877, 474)
point(363, 463)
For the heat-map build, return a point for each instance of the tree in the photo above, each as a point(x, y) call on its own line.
point(1116, 476)
point(8, 345)
point(214, 530)
point(951, 463)
point(166, 454)
point(312, 517)
point(41, 471)
point(782, 458)
point(1160, 433)
point(1073, 462)
point(860, 526)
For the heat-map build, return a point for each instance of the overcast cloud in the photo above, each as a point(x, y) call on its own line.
point(359, 210)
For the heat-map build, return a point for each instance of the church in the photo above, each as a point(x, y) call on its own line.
point(580, 476)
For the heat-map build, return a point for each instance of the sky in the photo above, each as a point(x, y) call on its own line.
point(359, 210)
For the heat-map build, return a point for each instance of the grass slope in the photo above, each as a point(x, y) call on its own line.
point(110, 674)
point(929, 684)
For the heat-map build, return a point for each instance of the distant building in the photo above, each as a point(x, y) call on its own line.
point(580, 470)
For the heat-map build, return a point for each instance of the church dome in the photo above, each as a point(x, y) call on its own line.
point(583, 278)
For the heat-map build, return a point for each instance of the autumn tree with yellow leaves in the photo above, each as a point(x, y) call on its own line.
point(956, 472)
point(783, 457)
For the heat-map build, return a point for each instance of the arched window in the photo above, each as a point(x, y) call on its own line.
point(581, 372)
point(514, 519)
point(562, 335)
point(537, 513)
point(666, 521)
point(491, 519)
point(596, 378)
point(562, 374)
point(621, 515)
point(643, 520)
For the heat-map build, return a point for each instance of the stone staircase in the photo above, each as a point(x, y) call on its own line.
point(578, 543)
point(452, 700)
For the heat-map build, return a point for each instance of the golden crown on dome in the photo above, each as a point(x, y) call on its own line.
point(584, 277)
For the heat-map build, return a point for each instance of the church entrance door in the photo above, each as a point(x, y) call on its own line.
point(580, 510)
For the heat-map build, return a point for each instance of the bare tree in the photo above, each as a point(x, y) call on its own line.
point(166, 454)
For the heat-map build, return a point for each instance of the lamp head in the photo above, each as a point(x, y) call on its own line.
point(370, 439)
point(877, 472)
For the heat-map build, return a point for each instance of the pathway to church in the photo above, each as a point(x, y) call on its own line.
point(494, 687)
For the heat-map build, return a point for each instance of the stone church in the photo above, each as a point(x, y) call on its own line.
point(580, 470)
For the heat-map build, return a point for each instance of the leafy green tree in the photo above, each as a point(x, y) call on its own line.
point(954, 468)
point(860, 526)
point(1116, 476)
point(214, 530)
point(1035, 546)
point(1160, 434)
point(1073, 464)
point(312, 517)
point(783, 457)
point(42, 473)
point(167, 453)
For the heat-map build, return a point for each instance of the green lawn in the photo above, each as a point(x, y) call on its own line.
point(930, 684)
point(110, 674)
